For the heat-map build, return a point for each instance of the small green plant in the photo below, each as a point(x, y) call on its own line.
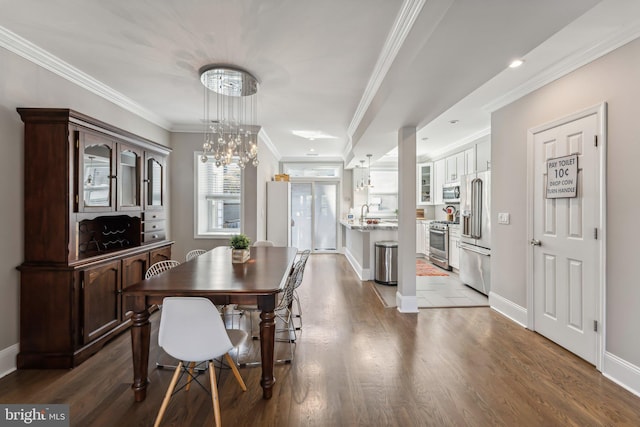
point(240, 241)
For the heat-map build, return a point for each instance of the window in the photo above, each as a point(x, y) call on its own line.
point(218, 198)
point(313, 170)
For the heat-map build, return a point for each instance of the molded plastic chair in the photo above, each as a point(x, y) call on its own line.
point(195, 253)
point(263, 243)
point(191, 330)
point(161, 266)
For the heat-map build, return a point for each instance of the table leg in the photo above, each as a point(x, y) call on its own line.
point(140, 339)
point(267, 343)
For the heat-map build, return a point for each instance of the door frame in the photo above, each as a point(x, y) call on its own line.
point(600, 110)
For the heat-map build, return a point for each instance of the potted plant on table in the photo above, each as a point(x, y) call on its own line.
point(240, 248)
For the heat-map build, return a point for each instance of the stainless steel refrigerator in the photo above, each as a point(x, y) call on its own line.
point(475, 240)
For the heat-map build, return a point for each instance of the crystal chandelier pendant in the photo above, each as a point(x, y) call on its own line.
point(230, 114)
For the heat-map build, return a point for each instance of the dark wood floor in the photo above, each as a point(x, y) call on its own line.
point(359, 364)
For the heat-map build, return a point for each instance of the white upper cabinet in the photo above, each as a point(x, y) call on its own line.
point(424, 185)
point(470, 160)
point(455, 167)
point(439, 173)
point(483, 156)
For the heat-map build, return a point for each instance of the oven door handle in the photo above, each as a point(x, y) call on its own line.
point(440, 232)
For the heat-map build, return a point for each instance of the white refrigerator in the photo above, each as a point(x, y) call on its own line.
point(279, 212)
point(475, 239)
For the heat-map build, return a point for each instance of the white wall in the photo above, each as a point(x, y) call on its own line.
point(24, 84)
point(613, 78)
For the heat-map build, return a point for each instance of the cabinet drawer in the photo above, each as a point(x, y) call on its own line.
point(153, 215)
point(153, 236)
point(149, 226)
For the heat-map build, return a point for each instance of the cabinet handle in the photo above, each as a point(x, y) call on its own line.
point(145, 180)
point(155, 226)
point(119, 292)
point(155, 236)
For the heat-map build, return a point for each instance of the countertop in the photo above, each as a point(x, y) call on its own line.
point(382, 225)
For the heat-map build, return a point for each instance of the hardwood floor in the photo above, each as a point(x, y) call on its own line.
point(357, 363)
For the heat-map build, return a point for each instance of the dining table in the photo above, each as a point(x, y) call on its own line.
point(213, 275)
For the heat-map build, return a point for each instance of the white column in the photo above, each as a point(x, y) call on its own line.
point(406, 299)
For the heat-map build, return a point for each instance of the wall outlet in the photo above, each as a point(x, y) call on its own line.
point(503, 218)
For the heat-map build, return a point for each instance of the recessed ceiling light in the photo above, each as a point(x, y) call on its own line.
point(454, 121)
point(312, 149)
point(516, 63)
point(425, 138)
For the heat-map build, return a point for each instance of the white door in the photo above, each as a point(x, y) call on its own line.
point(566, 253)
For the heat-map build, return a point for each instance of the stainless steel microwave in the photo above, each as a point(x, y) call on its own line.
point(451, 193)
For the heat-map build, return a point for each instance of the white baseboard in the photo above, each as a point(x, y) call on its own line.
point(508, 309)
point(363, 273)
point(8, 359)
point(621, 372)
point(618, 370)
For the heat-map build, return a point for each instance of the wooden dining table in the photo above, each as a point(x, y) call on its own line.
point(212, 275)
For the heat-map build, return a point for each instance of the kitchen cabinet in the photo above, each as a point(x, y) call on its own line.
point(454, 246)
point(85, 228)
point(455, 167)
point(469, 161)
point(483, 156)
point(424, 185)
point(439, 173)
point(422, 234)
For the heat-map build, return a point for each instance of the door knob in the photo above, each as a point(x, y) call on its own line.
point(535, 242)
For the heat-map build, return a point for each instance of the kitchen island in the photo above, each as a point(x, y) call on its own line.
point(359, 240)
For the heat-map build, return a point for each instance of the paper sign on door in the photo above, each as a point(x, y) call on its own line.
point(562, 177)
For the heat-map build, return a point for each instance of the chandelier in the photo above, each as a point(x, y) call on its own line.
point(230, 116)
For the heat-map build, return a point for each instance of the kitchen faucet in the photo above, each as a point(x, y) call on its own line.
point(362, 211)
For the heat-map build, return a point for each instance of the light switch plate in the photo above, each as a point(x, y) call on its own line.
point(503, 218)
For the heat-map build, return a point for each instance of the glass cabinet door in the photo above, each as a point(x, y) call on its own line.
point(129, 163)
point(425, 181)
point(155, 184)
point(96, 173)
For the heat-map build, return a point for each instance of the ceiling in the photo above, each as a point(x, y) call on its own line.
point(355, 70)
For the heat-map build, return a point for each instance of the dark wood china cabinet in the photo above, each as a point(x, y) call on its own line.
point(95, 220)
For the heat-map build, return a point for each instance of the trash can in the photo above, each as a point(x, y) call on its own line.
point(386, 262)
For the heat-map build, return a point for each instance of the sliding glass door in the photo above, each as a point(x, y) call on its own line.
point(314, 216)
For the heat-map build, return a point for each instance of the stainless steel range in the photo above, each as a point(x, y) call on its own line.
point(439, 244)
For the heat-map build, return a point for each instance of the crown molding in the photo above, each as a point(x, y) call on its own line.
point(264, 137)
point(29, 51)
point(566, 66)
point(404, 22)
point(464, 141)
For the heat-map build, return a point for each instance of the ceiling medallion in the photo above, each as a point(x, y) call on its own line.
point(230, 115)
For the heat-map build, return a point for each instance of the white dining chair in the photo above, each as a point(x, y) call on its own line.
point(191, 330)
